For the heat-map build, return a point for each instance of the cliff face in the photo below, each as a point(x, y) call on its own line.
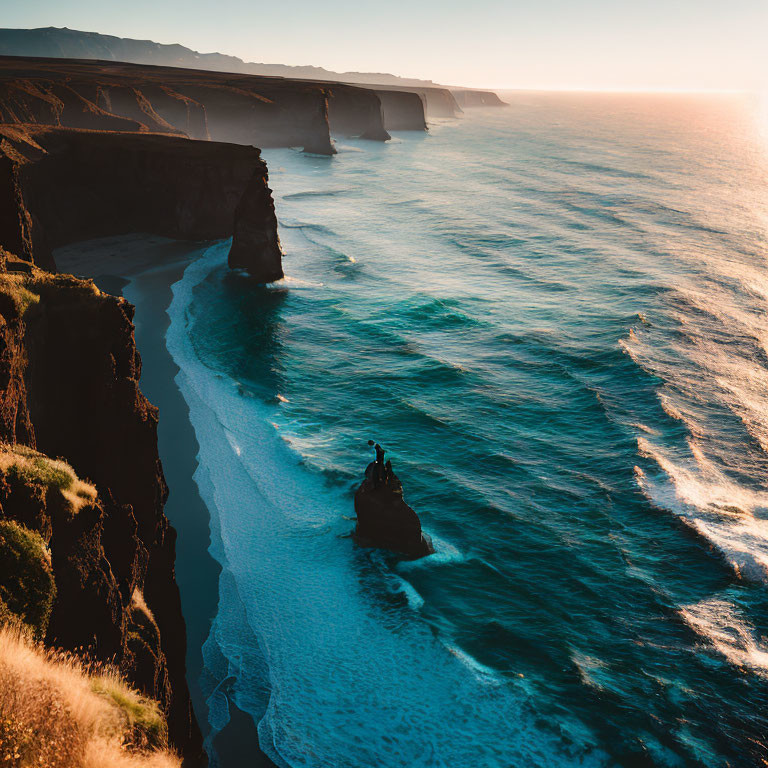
point(436, 101)
point(60, 186)
point(403, 111)
point(69, 374)
point(469, 99)
point(242, 109)
point(350, 115)
point(439, 102)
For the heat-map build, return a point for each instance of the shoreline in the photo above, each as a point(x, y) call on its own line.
point(143, 269)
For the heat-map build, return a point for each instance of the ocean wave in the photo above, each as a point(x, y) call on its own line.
point(313, 193)
point(727, 515)
point(302, 598)
point(608, 170)
point(723, 626)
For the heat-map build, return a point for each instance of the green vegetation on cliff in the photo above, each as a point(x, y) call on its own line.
point(27, 588)
point(22, 465)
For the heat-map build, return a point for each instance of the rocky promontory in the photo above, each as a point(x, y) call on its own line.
point(218, 106)
point(467, 98)
point(82, 489)
point(60, 186)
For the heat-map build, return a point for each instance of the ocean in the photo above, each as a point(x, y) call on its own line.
point(554, 317)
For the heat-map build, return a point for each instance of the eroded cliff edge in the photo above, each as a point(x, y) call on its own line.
point(69, 382)
point(69, 387)
point(218, 106)
point(59, 186)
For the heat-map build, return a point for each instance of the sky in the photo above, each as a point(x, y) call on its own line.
point(550, 44)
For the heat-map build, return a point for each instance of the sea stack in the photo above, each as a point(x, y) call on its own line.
point(384, 520)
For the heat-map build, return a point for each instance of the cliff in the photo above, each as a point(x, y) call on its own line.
point(69, 374)
point(437, 101)
point(242, 109)
point(66, 43)
point(403, 110)
point(467, 99)
point(59, 186)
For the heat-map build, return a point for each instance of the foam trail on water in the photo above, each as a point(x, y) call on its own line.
point(350, 680)
point(720, 622)
point(709, 353)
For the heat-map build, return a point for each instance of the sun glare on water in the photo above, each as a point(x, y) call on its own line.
point(762, 115)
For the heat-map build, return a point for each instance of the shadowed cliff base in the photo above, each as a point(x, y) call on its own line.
point(59, 186)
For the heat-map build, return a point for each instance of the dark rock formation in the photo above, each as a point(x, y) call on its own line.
point(351, 116)
point(403, 110)
point(321, 119)
point(438, 102)
point(242, 109)
point(69, 374)
point(384, 520)
point(60, 186)
point(468, 99)
point(255, 244)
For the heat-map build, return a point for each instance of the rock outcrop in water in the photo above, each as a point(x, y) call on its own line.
point(61, 186)
point(69, 388)
point(384, 520)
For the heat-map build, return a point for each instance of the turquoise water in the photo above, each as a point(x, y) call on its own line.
point(554, 318)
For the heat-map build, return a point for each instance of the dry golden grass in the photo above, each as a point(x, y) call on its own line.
point(56, 713)
point(138, 603)
point(35, 467)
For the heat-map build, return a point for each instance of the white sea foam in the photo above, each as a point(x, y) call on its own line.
point(444, 553)
point(721, 623)
point(344, 686)
point(713, 368)
point(415, 600)
point(731, 517)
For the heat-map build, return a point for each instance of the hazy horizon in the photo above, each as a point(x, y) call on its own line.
point(554, 45)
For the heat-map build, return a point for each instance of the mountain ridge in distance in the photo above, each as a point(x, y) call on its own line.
point(62, 42)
